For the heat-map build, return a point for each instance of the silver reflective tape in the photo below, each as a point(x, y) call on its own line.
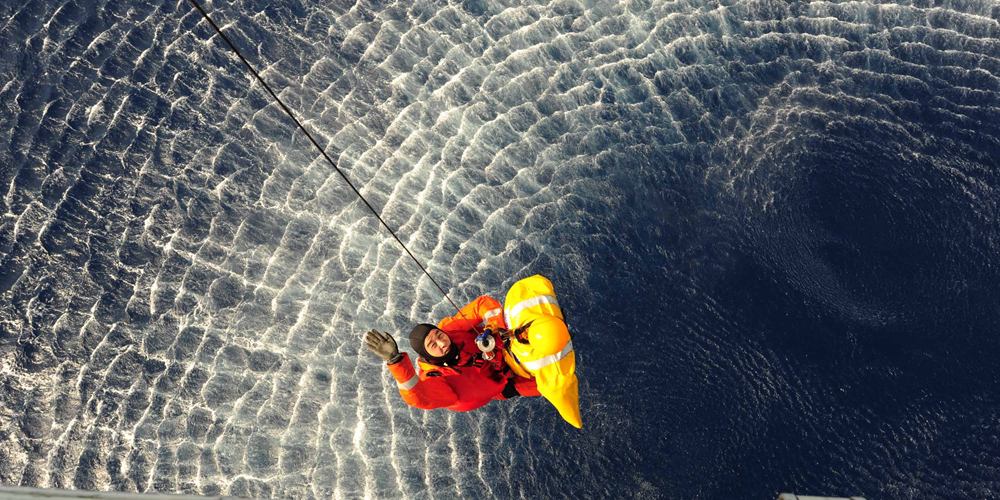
point(490, 314)
point(409, 384)
point(548, 360)
point(524, 304)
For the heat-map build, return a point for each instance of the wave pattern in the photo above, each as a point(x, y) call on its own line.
point(186, 281)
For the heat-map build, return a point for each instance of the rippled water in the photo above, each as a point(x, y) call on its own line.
point(773, 226)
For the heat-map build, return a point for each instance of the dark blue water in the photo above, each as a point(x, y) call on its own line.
point(773, 227)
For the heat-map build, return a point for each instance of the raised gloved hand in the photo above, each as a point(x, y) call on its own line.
point(383, 345)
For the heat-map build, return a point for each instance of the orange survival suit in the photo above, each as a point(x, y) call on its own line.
point(473, 380)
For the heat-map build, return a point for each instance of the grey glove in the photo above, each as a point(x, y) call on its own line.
point(383, 345)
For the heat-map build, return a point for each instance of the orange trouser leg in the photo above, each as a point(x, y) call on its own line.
point(526, 386)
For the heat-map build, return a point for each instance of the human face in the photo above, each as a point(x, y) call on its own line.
point(437, 343)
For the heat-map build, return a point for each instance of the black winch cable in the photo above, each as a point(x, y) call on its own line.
point(303, 129)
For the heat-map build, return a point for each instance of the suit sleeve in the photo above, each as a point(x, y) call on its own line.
point(424, 394)
point(477, 313)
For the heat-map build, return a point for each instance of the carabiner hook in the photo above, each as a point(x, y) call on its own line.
point(486, 343)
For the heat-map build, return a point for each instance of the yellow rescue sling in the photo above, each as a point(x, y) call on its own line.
point(547, 355)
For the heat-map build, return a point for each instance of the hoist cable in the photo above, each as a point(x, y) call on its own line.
point(321, 150)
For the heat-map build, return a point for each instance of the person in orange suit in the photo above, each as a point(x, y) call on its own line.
point(453, 372)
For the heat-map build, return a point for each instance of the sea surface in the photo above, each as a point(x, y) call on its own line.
point(773, 227)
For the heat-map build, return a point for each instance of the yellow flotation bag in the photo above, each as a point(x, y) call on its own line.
point(545, 350)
